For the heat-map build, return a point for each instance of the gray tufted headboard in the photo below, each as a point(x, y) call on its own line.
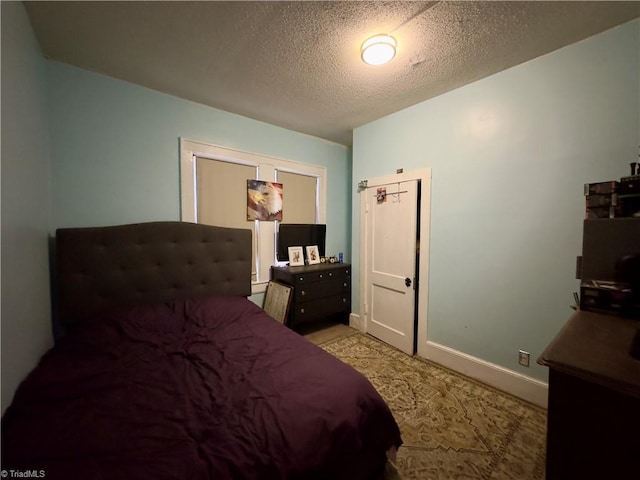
point(106, 267)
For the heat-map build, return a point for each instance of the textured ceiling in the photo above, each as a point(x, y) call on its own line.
point(297, 64)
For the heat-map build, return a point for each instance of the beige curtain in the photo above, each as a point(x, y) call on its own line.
point(299, 197)
point(221, 189)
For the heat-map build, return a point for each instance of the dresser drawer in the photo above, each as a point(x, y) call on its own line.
point(319, 309)
point(304, 292)
point(322, 276)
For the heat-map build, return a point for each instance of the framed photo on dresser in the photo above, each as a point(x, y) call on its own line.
point(296, 257)
point(313, 255)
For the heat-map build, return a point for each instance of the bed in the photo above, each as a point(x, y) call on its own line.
point(167, 371)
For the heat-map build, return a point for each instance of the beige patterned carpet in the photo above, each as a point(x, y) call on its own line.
point(453, 427)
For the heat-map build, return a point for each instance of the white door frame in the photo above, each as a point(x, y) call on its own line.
point(424, 176)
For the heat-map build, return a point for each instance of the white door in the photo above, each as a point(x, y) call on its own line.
point(391, 217)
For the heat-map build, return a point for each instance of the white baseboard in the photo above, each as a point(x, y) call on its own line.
point(522, 386)
point(356, 322)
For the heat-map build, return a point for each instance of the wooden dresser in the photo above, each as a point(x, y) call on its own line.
point(320, 292)
point(594, 400)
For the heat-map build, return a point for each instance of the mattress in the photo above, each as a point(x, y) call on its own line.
point(208, 388)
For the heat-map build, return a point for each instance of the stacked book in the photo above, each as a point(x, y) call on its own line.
point(602, 200)
point(614, 199)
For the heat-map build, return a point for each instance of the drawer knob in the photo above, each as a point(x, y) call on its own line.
point(344, 284)
point(344, 300)
point(331, 274)
point(320, 275)
point(302, 293)
point(301, 278)
point(347, 271)
point(302, 310)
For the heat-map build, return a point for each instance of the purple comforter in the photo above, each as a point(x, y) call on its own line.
point(197, 389)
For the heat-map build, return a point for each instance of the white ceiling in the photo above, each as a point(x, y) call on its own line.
point(297, 64)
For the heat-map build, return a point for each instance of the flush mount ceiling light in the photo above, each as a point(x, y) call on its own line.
point(378, 49)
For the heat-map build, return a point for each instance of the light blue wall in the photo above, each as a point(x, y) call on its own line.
point(115, 155)
point(115, 152)
point(26, 324)
point(509, 157)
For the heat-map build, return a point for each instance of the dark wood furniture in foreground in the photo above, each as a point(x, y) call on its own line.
point(320, 292)
point(594, 400)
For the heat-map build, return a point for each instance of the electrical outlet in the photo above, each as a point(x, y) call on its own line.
point(523, 358)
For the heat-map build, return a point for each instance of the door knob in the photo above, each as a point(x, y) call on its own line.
point(407, 282)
